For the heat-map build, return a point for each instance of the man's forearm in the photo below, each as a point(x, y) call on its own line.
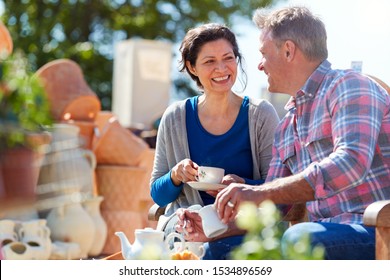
point(288, 190)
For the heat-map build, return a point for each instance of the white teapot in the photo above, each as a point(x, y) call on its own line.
point(148, 244)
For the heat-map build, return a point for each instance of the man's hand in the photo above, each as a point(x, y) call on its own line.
point(229, 199)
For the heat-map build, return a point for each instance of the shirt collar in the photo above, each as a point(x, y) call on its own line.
point(310, 88)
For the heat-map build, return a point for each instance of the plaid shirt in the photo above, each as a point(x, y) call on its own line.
point(337, 132)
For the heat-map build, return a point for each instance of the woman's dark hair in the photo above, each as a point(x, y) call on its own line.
point(197, 37)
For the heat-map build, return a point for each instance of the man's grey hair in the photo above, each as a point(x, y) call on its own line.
point(297, 24)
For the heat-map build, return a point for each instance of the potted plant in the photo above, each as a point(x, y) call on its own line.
point(24, 121)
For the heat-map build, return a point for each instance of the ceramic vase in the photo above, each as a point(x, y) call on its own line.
point(68, 165)
point(92, 206)
point(72, 223)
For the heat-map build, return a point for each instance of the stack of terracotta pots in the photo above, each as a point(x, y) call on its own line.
point(72, 100)
point(124, 165)
point(123, 160)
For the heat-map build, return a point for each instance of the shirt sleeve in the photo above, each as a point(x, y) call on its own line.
point(163, 191)
point(353, 120)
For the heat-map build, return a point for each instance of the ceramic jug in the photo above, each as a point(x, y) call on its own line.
point(7, 232)
point(67, 163)
point(36, 234)
point(71, 223)
point(148, 244)
point(92, 206)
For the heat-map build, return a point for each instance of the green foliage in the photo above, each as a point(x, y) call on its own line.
point(24, 107)
point(264, 232)
point(86, 31)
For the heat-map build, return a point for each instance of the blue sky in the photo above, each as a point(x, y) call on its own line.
point(358, 30)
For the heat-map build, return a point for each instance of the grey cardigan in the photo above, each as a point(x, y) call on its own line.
point(172, 145)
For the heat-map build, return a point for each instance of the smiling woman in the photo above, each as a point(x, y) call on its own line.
point(218, 128)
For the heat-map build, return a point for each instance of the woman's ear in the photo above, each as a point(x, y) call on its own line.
point(191, 68)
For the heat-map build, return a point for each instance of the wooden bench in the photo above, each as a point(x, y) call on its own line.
point(378, 215)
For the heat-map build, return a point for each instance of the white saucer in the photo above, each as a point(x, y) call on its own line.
point(200, 186)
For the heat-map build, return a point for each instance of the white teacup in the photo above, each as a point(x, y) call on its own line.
point(194, 247)
point(212, 224)
point(208, 174)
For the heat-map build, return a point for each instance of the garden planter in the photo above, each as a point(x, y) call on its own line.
point(122, 187)
point(70, 96)
point(19, 169)
point(117, 145)
point(6, 44)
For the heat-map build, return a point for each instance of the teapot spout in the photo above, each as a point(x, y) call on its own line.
point(125, 245)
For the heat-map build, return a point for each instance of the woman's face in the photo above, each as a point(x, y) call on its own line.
point(215, 66)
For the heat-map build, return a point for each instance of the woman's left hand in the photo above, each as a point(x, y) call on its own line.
point(227, 180)
point(232, 178)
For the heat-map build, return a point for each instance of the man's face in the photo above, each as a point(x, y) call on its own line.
point(273, 63)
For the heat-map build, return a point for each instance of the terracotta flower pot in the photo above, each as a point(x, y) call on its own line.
point(87, 132)
point(6, 44)
point(69, 95)
point(117, 145)
point(20, 170)
point(123, 187)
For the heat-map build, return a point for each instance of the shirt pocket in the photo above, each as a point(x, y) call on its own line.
point(319, 142)
point(288, 155)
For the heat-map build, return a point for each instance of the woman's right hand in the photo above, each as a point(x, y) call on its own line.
point(190, 224)
point(184, 171)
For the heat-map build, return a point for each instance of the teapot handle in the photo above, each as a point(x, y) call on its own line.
point(173, 235)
